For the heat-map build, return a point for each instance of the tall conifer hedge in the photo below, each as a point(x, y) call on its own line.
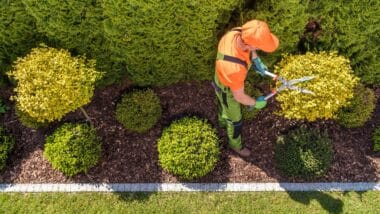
point(166, 41)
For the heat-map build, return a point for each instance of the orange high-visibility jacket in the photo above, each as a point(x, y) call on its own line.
point(232, 74)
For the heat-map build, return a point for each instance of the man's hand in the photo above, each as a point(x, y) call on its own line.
point(260, 103)
point(259, 66)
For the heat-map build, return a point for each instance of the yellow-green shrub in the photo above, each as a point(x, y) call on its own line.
point(333, 85)
point(51, 83)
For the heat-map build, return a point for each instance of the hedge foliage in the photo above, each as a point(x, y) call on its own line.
point(7, 143)
point(333, 85)
point(359, 109)
point(376, 139)
point(163, 42)
point(139, 110)
point(51, 83)
point(189, 148)
point(349, 27)
point(73, 148)
point(304, 153)
point(17, 34)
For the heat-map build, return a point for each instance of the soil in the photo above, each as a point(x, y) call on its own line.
point(129, 157)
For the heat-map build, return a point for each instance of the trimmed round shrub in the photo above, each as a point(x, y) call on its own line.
point(360, 108)
point(139, 110)
point(189, 148)
point(303, 153)
point(73, 148)
point(333, 85)
point(52, 83)
point(7, 143)
point(376, 139)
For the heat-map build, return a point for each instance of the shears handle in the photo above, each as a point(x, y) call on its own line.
point(267, 97)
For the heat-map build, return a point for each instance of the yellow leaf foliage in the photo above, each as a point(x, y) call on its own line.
point(51, 83)
point(333, 85)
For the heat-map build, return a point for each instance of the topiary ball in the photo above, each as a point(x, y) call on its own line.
point(139, 110)
point(189, 148)
point(360, 108)
point(376, 139)
point(303, 153)
point(73, 148)
point(7, 143)
point(332, 86)
point(28, 121)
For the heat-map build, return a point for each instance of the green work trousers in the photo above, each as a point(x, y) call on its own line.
point(229, 114)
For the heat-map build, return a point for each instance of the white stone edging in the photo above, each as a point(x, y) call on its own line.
point(188, 187)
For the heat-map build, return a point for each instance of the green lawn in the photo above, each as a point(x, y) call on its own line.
point(187, 202)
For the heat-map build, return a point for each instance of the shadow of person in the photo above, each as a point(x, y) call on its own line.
point(328, 203)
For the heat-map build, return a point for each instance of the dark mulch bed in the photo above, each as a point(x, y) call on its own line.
point(132, 157)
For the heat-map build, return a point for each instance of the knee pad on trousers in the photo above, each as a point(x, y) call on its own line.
point(237, 128)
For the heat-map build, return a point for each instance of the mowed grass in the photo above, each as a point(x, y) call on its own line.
point(192, 202)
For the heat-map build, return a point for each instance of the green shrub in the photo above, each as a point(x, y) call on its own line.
point(163, 42)
point(73, 148)
point(52, 83)
point(139, 110)
point(3, 108)
point(376, 139)
point(7, 143)
point(17, 34)
point(303, 152)
point(189, 148)
point(360, 108)
point(332, 86)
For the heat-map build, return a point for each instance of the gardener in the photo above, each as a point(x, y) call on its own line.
point(236, 52)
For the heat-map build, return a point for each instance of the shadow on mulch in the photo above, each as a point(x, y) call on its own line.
point(129, 157)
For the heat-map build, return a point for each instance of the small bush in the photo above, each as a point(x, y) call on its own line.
point(360, 108)
point(3, 108)
point(333, 85)
point(189, 148)
point(303, 152)
point(73, 148)
point(52, 83)
point(139, 110)
point(376, 139)
point(7, 143)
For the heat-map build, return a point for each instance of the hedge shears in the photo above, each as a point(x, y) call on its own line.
point(288, 84)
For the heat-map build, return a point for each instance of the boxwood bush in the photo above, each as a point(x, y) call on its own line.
point(7, 143)
point(376, 139)
point(304, 153)
point(360, 108)
point(189, 148)
point(139, 110)
point(332, 86)
point(52, 83)
point(73, 148)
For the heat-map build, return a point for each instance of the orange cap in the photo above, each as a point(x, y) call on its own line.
point(257, 34)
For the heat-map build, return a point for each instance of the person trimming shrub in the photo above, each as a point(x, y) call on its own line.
point(236, 52)
point(376, 139)
point(333, 85)
point(189, 148)
point(52, 83)
point(303, 152)
point(359, 109)
point(139, 110)
point(73, 148)
point(7, 143)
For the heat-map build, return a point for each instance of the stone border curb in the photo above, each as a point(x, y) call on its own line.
point(188, 187)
